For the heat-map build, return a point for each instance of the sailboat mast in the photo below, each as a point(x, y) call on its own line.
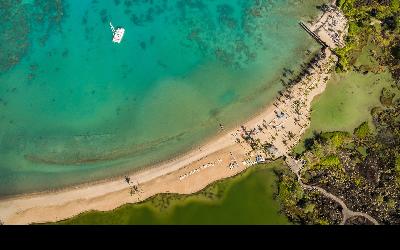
point(112, 28)
point(118, 33)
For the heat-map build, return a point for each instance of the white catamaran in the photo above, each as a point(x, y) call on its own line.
point(118, 34)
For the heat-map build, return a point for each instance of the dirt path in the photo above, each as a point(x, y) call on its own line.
point(347, 213)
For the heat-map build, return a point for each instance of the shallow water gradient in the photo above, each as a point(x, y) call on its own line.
point(74, 107)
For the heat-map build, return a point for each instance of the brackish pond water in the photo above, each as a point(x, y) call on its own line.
point(74, 107)
point(243, 199)
point(348, 99)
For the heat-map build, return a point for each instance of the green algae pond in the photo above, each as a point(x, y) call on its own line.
point(247, 198)
point(348, 98)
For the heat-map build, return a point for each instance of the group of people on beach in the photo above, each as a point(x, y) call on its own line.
point(292, 106)
point(291, 115)
point(332, 23)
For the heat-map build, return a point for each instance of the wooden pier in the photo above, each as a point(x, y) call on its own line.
point(315, 36)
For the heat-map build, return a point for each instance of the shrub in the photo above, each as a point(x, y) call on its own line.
point(330, 161)
point(396, 52)
point(397, 164)
point(362, 131)
point(336, 138)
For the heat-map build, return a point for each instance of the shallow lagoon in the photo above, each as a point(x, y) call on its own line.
point(75, 107)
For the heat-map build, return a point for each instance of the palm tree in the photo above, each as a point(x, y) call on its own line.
point(127, 179)
point(290, 135)
point(136, 189)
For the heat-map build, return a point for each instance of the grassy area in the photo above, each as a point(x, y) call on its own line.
point(348, 98)
point(360, 167)
point(372, 41)
point(371, 20)
point(358, 161)
point(244, 199)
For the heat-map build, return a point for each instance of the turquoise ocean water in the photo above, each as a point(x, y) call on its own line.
point(74, 107)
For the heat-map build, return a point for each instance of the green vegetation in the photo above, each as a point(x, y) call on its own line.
point(387, 97)
point(304, 206)
point(244, 199)
point(369, 162)
point(362, 131)
point(335, 139)
point(330, 161)
point(396, 52)
point(362, 167)
point(397, 169)
point(349, 98)
point(371, 21)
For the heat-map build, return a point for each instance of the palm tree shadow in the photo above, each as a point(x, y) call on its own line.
point(309, 142)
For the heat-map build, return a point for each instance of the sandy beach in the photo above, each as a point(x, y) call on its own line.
point(279, 126)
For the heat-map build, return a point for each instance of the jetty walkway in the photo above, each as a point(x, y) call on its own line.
point(329, 29)
point(312, 34)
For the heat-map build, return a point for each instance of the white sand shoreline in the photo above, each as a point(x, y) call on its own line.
point(218, 153)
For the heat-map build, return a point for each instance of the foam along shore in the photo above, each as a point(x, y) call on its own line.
point(270, 134)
